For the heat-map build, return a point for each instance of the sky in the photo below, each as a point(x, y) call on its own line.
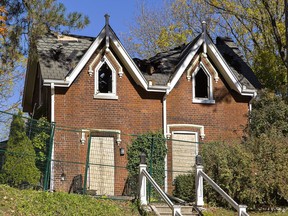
point(122, 13)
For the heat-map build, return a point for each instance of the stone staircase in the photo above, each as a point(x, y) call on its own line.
point(162, 209)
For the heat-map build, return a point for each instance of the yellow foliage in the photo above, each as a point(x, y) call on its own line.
point(3, 18)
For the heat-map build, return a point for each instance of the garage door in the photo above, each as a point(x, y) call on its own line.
point(184, 150)
point(101, 165)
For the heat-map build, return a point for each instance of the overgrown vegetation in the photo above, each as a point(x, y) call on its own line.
point(39, 133)
point(29, 202)
point(153, 145)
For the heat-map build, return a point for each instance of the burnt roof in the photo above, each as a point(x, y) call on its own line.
point(58, 57)
point(161, 67)
point(235, 59)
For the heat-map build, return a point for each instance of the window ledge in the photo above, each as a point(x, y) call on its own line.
point(106, 96)
point(203, 101)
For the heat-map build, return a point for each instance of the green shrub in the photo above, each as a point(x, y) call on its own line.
point(185, 187)
point(39, 133)
point(153, 145)
point(229, 165)
point(19, 166)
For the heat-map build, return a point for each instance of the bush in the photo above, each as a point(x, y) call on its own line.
point(19, 167)
point(153, 145)
point(229, 165)
point(185, 187)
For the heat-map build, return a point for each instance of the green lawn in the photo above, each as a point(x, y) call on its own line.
point(29, 202)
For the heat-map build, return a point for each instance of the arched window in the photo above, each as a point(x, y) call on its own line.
point(105, 80)
point(202, 86)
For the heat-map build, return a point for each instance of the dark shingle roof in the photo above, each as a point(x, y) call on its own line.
point(58, 57)
point(234, 58)
point(160, 68)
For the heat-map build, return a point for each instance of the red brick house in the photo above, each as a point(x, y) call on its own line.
point(200, 91)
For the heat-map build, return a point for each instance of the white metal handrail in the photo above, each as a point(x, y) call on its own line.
point(176, 210)
point(158, 189)
point(200, 175)
point(219, 190)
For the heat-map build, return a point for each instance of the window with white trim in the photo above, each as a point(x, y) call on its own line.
point(202, 86)
point(105, 80)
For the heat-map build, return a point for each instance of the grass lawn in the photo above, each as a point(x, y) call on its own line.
point(29, 202)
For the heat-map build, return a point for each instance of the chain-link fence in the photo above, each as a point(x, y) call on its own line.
point(94, 161)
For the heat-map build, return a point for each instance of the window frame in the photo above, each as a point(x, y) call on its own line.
point(209, 99)
point(99, 95)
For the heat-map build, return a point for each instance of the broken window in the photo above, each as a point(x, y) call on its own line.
point(105, 79)
point(202, 86)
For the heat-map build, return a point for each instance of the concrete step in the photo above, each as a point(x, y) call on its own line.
point(162, 209)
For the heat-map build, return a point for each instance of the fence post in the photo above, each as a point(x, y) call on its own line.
point(241, 208)
point(49, 159)
point(199, 181)
point(150, 167)
point(87, 164)
point(142, 180)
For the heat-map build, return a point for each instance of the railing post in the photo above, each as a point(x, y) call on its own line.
point(176, 210)
point(199, 182)
point(142, 180)
point(241, 208)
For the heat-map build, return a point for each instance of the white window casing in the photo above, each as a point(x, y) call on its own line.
point(205, 100)
point(97, 94)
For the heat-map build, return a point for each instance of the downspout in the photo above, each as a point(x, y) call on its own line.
point(165, 136)
point(52, 121)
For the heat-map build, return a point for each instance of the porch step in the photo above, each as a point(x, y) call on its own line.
point(162, 209)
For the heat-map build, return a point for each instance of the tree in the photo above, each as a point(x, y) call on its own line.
point(269, 112)
point(19, 166)
point(257, 26)
point(26, 22)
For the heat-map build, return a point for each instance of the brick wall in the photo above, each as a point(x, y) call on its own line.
point(137, 111)
point(134, 112)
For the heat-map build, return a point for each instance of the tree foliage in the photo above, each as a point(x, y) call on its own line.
point(25, 22)
point(3, 18)
point(256, 25)
point(153, 145)
point(39, 133)
point(19, 166)
point(269, 112)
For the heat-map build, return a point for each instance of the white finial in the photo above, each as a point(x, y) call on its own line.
point(107, 30)
point(205, 39)
point(107, 16)
point(204, 26)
